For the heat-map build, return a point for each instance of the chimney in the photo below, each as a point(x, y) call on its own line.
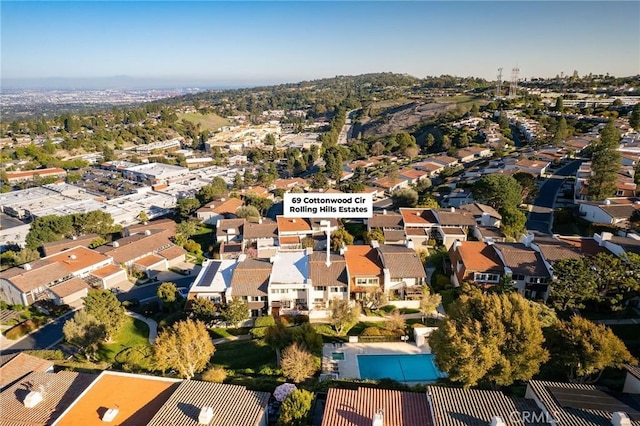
point(497, 421)
point(375, 244)
point(110, 415)
point(453, 209)
point(409, 244)
point(260, 221)
point(115, 244)
point(293, 221)
point(32, 399)
point(73, 257)
point(620, 419)
point(384, 211)
point(242, 258)
point(205, 416)
point(74, 238)
point(343, 250)
point(456, 244)
point(378, 418)
point(147, 232)
point(26, 266)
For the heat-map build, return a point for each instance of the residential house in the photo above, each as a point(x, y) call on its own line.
point(291, 231)
point(122, 398)
point(197, 403)
point(288, 184)
point(230, 230)
point(489, 234)
point(535, 167)
point(616, 244)
point(474, 407)
point(63, 277)
point(213, 281)
point(404, 273)
point(19, 366)
point(365, 270)
point(413, 176)
point(466, 155)
point(529, 273)
point(261, 235)
point(582, 405)
point(39, 398)
point(329, 280)
point(432, 168)
point(373, 406)
point(418, 225)
point(483, 214)
point(390, 224)
point(68, 243)
point(457, 198)
point(445, 160)
point(475, 262)
point(632, 380)
point(224, 208)
point(613, 211)
point(250, 282)
point(390, 184)
point(453, 225)
point(289, 284)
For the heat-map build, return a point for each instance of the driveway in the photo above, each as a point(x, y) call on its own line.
point(541, 216)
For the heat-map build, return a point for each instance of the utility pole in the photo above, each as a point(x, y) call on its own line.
point(499, 85)
point(513, 88)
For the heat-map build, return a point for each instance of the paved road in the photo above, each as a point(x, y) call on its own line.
point(44, 338)
point(539, 219)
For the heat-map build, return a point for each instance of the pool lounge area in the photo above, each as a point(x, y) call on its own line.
point(399, 361)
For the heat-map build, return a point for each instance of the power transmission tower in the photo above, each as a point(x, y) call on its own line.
point(513, 88)
point(499, 86)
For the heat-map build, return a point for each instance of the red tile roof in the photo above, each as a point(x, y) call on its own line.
point(77, 258)
point(21, 365)
point(363, 260)
point(292, 224)
point(345, 407)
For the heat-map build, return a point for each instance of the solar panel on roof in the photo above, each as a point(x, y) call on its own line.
point(596, 400)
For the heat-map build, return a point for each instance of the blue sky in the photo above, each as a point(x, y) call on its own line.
point(245, 42)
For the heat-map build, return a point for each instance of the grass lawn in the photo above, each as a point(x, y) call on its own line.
point(219, 333)
point(244, 355)
point(210, 122)
point(133, 333)
point(455, 99)
point(205, 237)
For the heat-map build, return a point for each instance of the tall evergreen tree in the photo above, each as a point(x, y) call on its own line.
point(605, 163)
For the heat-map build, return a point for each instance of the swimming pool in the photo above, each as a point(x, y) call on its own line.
point(403, 368)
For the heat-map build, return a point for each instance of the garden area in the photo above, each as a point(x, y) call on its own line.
point(17, 320)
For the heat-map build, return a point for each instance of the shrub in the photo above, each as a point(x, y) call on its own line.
point(388, 308)
point(266, 321)
point(258, 332)
point(127, 304)
point(300, 319)
point(24, 328)
point(52, 355)
point(267, 370)
point(324, 329)
point(371, 331)
point(214, 375)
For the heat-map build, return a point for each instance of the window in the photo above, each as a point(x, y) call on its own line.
point(518, 277)
point(318, 300)
point(279, 291)
point(321, 288)
point(366, 281)
point(493, 278)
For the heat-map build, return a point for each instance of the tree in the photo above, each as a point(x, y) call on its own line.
point(429, 302)
point(187, 228)
point(340, 237)
point(373, 235)
point(529, 186)
point(584, 349)
point(295, 408)
point(167, 293)
point(248, 212)
point(513, 222)
point(395, 323)
point(404, 197)
point(187, 207)
point(217, 188)
point(235, 312)
point(85, 332)
point(278, 338)
point(634, 120)
point(562, 132)
point(186, 347)
point(605, 163)
point(203, 309)
point(495, 338)
point(503, 120)
point(497, 191)
point(342, 315)
point(559, 104)
point(297, 363)
point(475, 109)
point(107, 309)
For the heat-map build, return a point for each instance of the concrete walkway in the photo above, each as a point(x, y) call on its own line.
point(231, 339)
point(153, 326)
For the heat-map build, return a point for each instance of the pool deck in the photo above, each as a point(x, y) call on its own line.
point(348, 368)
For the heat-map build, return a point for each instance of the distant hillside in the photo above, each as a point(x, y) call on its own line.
point(211, 122)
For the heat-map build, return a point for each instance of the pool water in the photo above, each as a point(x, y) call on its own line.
point(403, 368)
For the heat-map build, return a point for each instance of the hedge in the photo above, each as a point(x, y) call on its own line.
point(24, 328)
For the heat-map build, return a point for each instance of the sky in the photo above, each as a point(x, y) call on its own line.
point(288, 41)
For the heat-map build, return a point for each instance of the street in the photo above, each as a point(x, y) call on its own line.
point(540, 217)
